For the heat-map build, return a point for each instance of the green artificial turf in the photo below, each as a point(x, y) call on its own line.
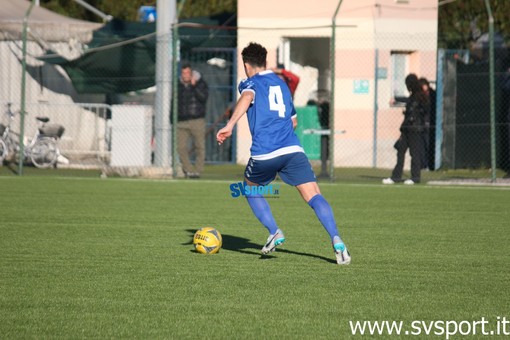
point(112, 258)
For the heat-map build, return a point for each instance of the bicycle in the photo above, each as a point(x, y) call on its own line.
point(42, 150)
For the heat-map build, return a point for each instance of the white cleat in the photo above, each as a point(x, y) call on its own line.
point(342, 254)
point(273, 241)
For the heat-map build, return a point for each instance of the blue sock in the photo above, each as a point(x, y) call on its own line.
point(325, 214)
point(262, 211)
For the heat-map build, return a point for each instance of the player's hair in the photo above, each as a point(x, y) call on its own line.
point(255, 55)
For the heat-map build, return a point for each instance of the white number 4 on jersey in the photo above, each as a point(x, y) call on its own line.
point(276, 100)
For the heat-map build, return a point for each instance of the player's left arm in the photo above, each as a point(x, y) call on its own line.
point(241, 107)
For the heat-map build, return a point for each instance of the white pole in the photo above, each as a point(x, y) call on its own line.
point(165, 18)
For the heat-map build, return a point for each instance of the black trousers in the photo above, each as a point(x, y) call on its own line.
point(414, 142)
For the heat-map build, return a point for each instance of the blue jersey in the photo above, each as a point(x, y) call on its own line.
point(269, 116)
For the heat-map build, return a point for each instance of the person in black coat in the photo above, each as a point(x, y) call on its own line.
point(416, 122)
point(193, 92)
point(429, 135)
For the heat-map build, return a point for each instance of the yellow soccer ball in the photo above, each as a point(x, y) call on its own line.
point(207, 240)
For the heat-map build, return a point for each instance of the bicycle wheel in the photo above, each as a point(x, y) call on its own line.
point(44, 153)
point(3, 151)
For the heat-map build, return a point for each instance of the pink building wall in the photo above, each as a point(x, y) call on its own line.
point(363, 26)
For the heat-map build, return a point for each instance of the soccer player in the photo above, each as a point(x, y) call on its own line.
point(275, 148)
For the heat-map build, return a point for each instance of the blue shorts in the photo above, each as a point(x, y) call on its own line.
point(294, 169)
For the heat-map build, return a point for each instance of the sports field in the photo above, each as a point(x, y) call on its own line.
point(92, 258)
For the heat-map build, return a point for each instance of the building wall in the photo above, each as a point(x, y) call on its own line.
point(363, 27)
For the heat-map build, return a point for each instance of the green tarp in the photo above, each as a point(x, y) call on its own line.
point(122, 55)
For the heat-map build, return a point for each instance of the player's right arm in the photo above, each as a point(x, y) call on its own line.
point(241, 107)
point(294, 118)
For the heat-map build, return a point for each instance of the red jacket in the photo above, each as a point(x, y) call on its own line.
point(291, 79)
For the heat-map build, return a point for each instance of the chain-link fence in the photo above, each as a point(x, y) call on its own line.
point(111, 130)
point(466, 127)
point(217, 65)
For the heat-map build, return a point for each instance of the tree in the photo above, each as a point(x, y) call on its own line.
point(463, 21)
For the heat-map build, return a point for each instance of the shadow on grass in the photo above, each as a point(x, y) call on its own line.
point(245, 246)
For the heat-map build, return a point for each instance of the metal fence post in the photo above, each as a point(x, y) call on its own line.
point(492, 90)
point(332, 56)
point(376, 108)
point(439, 109)
point(166, 15)
point(23, 90)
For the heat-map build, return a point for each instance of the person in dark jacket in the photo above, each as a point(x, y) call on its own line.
point(429, 135)
point(193, 92)
point(416, 121)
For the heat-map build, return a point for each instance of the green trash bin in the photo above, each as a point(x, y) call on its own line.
point(308, 118)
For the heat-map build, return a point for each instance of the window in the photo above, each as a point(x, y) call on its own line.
point(399, 71)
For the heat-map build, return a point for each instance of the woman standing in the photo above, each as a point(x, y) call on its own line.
point(416, 121)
